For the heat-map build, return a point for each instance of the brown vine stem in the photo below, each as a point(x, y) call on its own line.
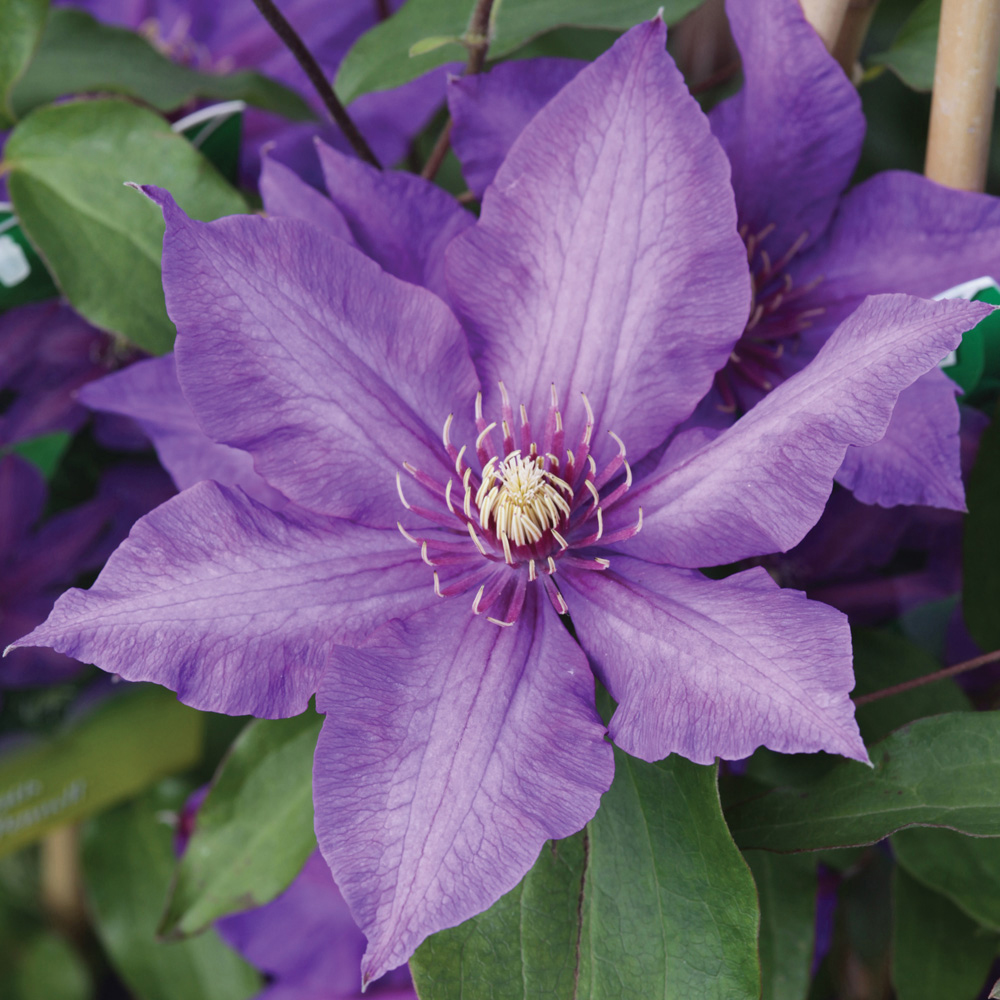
point(317, 78)
point(477, 40)
point(938, 675)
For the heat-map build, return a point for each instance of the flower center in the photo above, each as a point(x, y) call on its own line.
point(756, 364)
point(531, 504)
point(522, 499)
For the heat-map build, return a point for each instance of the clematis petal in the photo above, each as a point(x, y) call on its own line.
point(286, 195)
point(615, 270)
point(899, 232)
point(917, 460)
point(150, 394)
point(489, 111)
point(400, 220)
point(793, 133)
point(22, 499)
point(708, 668)
point(296, 348)
point(453, 750)
point(759, 486)
point(234, 606)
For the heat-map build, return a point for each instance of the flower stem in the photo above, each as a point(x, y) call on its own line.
point(477, 41)
point(965, 80)
point(938, 675)
point(827, 17)
point(317, 78)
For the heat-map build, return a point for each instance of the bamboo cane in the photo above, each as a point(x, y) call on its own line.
point(61, 882)
point(852, 36)
point(965, 81)
point(827, 17)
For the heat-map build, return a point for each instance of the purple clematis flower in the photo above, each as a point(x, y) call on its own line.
point(228, 35)
point(40, 559)
point(793, 135)
point(47, 351)
point(457, 478)
point(308, 943)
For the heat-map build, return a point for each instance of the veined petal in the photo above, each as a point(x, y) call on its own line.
point(233, 606)
point(453, 750)
point(489, 111)
point(715, 668)
point(286, 195)
point(606, 259)
point(150, 394)
point(296, 348)
point(899, 232)
point(917, 461)
point(403, 222)
point(759, 486)
point(793, 133)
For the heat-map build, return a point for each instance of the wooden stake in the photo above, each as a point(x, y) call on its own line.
point(61, 881)
point(827, 17)
point(965, 82)
point(852, 36)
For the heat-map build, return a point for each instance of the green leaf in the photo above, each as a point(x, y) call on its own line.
point(914, 51)
point(100, 239)
point(786, 887)
point(121, 746)
point(23, 276)
point(981, 543)
point(128, 857)
point(965, 869)
point(52, 968)
point(44, 452)
point(654, 900)
point(663, 871)
point(938, 771)
point(937, 951)
point(23, 21)
point(524, 946)
point(255, 827)
point(78, 55)
point(380, 59)
point(883, 658)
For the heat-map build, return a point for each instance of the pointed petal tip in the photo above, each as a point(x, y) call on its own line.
point(162, 197)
